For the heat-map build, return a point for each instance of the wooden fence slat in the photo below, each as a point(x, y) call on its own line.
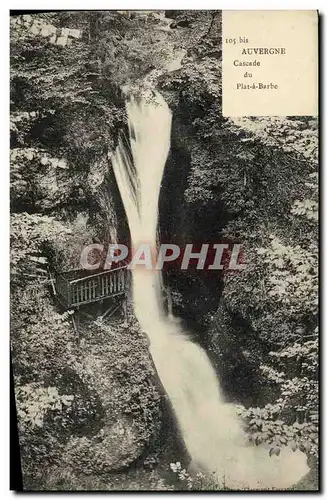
point(91, 288)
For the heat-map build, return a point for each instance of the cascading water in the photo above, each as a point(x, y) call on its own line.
point(209, 426)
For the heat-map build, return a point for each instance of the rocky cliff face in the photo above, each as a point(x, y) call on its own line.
point(250, 181)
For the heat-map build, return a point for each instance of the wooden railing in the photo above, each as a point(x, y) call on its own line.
point(74, 291)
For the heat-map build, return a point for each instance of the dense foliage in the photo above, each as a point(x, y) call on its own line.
point(254, 181)
point(90, 405)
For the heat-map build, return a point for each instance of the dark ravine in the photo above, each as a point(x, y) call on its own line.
point(221, 182)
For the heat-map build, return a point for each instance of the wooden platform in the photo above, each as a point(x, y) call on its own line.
point(79, 287)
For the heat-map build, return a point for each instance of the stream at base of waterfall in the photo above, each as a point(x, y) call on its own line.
point(209, 426)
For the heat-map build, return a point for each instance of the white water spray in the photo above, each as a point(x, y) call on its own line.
point(209, 426)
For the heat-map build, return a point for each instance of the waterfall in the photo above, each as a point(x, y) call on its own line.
point(210, 428)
